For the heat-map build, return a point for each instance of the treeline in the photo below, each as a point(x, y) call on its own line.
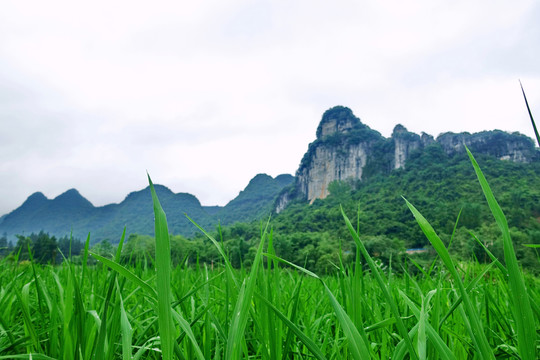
point(320, 251)
point(41, 247)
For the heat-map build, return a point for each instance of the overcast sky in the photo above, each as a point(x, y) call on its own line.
point(206, 94)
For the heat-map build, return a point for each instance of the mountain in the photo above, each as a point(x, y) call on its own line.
point(345, 149)
point(256, 200)
point(70, 212)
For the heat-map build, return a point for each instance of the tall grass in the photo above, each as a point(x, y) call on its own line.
point(272, 310)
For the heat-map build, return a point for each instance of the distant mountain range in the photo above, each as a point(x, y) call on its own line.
point(345, 150)
point(71, 212)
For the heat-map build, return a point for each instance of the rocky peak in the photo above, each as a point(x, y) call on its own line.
point(35, 199)
point(404, 143)
point(399, 129)
point(426, 139)
point(340, 152)
point(337, 119)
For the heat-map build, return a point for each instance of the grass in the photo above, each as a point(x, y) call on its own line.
point(274, 309)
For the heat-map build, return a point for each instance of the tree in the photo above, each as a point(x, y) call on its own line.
point(44, 248)
point(104, 248)
point(70, 246)
point(4, 245)
point(138, 249)
point(23, 244)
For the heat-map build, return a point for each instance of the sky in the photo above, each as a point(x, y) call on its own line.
point(204, 95)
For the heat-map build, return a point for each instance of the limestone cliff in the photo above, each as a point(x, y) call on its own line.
point(340, 152)
point(347, 150)
point(404, 143)
point(502, 145)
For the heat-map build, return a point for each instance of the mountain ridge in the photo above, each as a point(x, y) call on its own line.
point(345, 149)
point(70, 212)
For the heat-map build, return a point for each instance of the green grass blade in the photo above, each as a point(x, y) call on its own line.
point(85, 258)
point(294, 312)
point(530, 114)
point(490, 254)
point(102, 347)
point(241, 310)
point(382, 285)
point(127, 274)
point(27, 318)
point(442, 349)
point(471, 286)
point(521, 307)
point(477, 333)
point(219, 248)
point(28, 356)
point(310, 344)
point(163, 277)
point(184, 325)
point(305, 271)
point(127, 330)
point(357, 345)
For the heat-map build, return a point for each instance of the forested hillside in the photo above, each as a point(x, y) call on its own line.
point(439, 185)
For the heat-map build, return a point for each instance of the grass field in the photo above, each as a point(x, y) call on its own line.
point(274, 309)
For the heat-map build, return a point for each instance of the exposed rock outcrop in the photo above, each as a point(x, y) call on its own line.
point(502, 145)
point(340, 152)
point(404, 142)
point(346, 149)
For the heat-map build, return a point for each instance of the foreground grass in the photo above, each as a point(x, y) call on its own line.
point(59, 313)
point(274, 310)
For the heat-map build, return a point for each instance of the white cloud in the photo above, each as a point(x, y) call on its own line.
point(204, 95)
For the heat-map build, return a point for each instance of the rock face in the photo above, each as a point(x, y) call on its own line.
point(347, 150)
point(404, 143)
point(340, 152)
point(502, 145)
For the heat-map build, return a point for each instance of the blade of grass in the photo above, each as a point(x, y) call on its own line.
point(219, 248)
point(163, 277)
point(310, 344)
point(357, 342)
point(163, 282)
point(382, 285)
point(184, 325)
point(477, 333)
point(442, 349)
point(530, 114)
point(127, 330)
point(28, 356)
point(85, 258)
point(241, 310)
point(521, 307)
point(127, 274)
point(294, 311)
point(471, 286)
point(102, 345)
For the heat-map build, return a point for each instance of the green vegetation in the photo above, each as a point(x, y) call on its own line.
point(438, 184)
point(275, 309)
